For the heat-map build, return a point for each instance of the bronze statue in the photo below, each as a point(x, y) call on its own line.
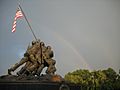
point(36, 57)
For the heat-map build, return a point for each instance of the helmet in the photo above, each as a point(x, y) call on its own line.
point(33, 42)
point(42, 44)
point(49, 47)
point(51, 54)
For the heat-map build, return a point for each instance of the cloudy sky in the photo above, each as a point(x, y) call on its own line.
point(84, 34)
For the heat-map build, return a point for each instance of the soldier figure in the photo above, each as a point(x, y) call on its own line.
point(48, 61)
point(25, 59)
point(51, 62)
point(38, 61)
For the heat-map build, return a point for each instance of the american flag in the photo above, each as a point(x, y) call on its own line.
point(18, 15)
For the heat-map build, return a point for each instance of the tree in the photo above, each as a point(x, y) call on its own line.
point(95, 80)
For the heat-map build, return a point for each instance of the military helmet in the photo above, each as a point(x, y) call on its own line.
point(42, 44)
point(49, 47)
point(33, 42)
point(51, 54)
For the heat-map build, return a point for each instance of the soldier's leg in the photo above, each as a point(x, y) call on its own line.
point(22, 61)
point(48, 71)
point(53, 62)
point(39, 70)
point(51, 68)
point(28, 63)
point(34, 72)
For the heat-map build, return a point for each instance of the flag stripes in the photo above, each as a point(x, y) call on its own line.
point(17, 15)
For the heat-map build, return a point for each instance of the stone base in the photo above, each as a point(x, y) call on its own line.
point(11, 82)
point(37, 86)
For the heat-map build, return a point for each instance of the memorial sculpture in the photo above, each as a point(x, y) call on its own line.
point(36, 57)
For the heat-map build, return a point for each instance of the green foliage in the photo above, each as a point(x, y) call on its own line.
point(99, 80)
point(110, 73)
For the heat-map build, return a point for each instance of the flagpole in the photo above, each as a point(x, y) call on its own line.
point(27, 22)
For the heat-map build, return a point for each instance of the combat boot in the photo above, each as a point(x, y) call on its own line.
point(9, 71)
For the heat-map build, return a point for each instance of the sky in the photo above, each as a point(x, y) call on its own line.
point(84, 34)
